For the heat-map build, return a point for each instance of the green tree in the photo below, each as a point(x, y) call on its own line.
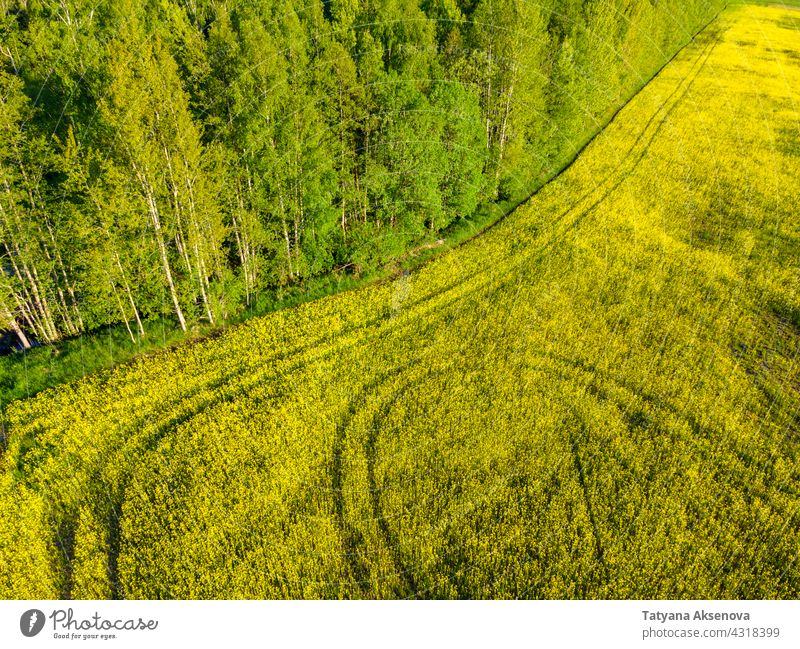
point(153, 136)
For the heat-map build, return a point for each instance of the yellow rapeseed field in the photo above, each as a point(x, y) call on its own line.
point(597, 398)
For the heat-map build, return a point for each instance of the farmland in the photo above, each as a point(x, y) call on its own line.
point(596, 398)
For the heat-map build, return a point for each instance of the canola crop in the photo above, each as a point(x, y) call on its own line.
point(599, 397)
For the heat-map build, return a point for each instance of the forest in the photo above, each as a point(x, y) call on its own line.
point(182, 158)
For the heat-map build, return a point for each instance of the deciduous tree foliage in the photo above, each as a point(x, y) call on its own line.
point(181, 158)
